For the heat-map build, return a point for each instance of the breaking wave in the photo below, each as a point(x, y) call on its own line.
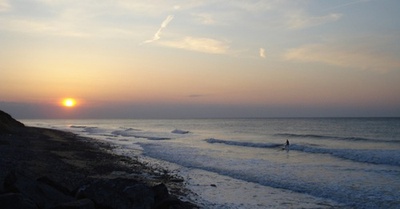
point(385, 157)
point(315, 136)
point(243, 144)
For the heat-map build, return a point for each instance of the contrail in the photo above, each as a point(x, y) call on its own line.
point(164, 24)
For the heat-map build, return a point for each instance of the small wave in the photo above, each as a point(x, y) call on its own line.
point(75, 126)
point(289, 135)
point(157, 138)
point(130, 129)
point(93, 130)
point(177, 131)
point(385, 157)
point(243, 144)
point(126, 133)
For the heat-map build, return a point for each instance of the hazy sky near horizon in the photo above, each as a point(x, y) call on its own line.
point(217, 58)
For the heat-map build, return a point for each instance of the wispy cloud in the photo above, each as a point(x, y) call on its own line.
point(205, 19)
point(299, 20)
point(259, 6)
point(205, 45)
point(344, 56)
point(262, 53)
point(348, 4)
point(164, 24)
point(4, 5)
point(56, 28)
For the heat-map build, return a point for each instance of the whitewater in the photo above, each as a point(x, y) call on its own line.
point(242, 163)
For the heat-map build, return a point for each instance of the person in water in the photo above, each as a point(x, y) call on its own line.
point(287, 144)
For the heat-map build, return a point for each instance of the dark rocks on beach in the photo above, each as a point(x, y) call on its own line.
point(50, 169)
point(42, 194)
point(9, 124)
point(14, 200)
point(77, 204)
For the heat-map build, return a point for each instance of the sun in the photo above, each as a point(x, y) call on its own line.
point(69, 102)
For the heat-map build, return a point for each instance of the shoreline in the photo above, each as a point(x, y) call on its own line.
point(82, 171)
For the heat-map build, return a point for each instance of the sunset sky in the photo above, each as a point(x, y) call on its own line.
point(191, 58)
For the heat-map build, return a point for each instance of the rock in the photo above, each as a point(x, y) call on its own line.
point(16, 201)
point(9, 182)
point(9, 124)
point(160, 192)
point(78, 204)
point(54, 184)
point(140, 195)
point(169, 203)
point(43, 195)
point(118, 193)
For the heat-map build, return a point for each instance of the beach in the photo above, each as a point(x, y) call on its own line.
point(45, 168)
point(240, 163)
point(212, 163)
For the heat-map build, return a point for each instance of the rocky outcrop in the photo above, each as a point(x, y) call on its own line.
point(9, 124)
point(50, 169)
point(41, 194)
point(21, 191)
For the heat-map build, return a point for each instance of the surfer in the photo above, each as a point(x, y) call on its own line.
point(287, 145)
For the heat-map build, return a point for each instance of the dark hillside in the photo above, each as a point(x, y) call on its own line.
point(9, 124)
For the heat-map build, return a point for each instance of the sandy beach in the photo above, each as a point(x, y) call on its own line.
point(45, 168)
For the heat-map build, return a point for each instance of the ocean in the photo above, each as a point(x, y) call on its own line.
point(242, 163)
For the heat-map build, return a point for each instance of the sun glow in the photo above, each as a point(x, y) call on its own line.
point(69, 102)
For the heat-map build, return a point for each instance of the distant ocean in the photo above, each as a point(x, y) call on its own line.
point(240, 163)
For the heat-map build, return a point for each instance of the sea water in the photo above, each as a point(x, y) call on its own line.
point(242, 163)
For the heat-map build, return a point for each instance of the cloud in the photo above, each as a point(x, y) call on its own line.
point(262, 53)
point(258, 6)
point(349, 4)
point(164, 24)
point(205, 45)
point(299, 20)
point(4, 5)
point(205, 19)
point(344, 56)
point(51, 27)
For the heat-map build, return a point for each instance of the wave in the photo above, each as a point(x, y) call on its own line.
point(124, 133)
point(131, 129)
point(304, 179)
point(384, 157)
point(177, 131)
point(157, 138)
point(289, 135)
point(243, 144)
point(128, 133)
point(76, 126)
point(94, 130)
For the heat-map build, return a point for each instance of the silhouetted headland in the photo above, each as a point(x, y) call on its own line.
point(45, 168)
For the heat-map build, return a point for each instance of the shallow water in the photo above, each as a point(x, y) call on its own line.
point(332, 162)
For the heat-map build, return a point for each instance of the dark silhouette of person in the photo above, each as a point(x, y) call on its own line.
point(287, 145)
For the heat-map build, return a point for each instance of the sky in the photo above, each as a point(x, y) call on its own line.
point(200, 59)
